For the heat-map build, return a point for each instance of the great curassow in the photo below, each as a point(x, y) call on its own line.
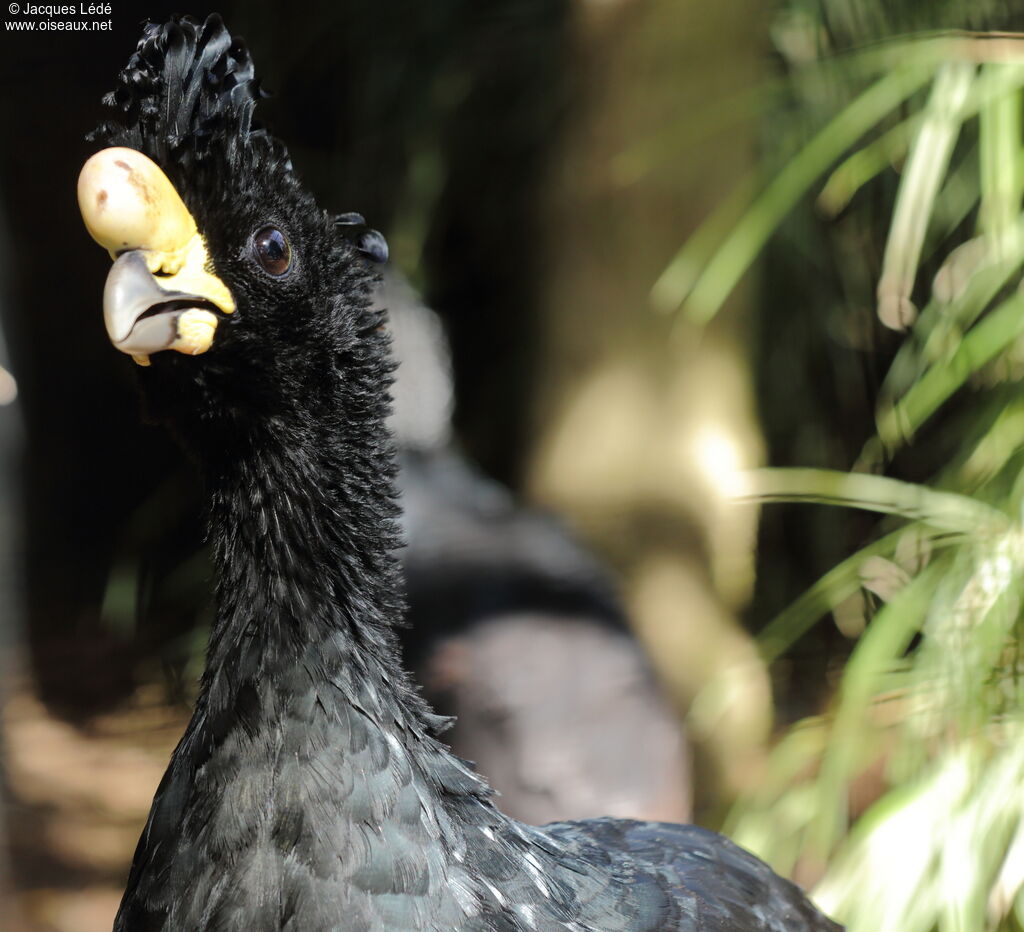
point(310, 790)
point(514, 629)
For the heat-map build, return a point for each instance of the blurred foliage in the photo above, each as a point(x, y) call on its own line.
point(904, 796)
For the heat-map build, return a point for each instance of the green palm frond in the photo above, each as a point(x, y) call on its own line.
point(926, 721)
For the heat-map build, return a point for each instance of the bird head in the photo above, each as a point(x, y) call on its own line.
point(227, 280)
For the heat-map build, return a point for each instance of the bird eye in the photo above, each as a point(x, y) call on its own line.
point(273, 251)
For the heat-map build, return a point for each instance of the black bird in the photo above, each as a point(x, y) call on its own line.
point(310, 790)
point(514, 629)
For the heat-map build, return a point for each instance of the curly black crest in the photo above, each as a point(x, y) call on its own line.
point(188, 95)
point(187, 99)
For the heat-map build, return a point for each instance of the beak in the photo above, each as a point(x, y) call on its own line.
point(161, 292)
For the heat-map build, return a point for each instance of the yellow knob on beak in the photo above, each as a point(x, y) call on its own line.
point(127, 202)
point(130, 207)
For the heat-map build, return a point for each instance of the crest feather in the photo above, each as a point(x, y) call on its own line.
point(187, 96)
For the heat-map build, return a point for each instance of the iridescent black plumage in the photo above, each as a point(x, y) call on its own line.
point(310, 791)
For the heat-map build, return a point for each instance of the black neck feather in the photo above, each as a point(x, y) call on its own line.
point(302, 521)
point(307, 733)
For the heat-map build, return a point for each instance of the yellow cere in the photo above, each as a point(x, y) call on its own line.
point(128, 203)
point(195, 332)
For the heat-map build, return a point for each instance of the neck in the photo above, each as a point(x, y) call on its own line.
point(310, 759)
point(302, 521)
point(303, 549)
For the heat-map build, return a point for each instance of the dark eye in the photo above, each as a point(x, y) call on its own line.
point(273, 251)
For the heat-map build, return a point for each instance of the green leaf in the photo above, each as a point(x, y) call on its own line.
point(946, 511)
point(702, 280)
point(898, 424)
point(926, 166)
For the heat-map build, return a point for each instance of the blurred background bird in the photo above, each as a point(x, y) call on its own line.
point(514, 629)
